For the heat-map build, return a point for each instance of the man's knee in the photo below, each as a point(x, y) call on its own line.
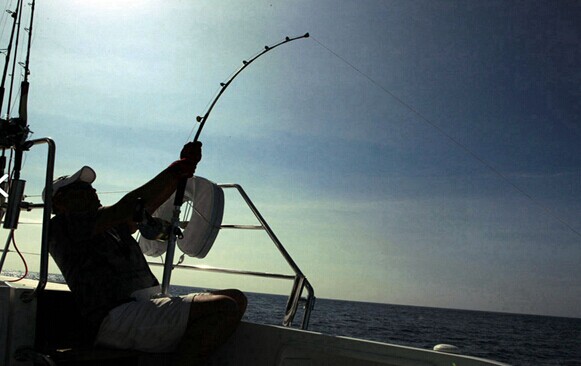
point(227, 306)
point(212, 305)
point(238, 297)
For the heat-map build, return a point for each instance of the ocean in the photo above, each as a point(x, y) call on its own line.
point(512, 338)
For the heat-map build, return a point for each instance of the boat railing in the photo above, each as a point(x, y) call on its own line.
point(16, 204)
point(300, 282)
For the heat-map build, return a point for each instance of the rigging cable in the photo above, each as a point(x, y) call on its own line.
point(426, 120)
point(11, 237)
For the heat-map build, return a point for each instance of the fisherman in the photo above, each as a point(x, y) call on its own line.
point(111, 281)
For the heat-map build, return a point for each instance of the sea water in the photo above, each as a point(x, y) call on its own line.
point(512, 338)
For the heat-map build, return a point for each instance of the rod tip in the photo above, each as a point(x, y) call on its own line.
point(306, 35)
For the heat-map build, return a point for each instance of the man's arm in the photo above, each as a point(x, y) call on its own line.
point(153, 193)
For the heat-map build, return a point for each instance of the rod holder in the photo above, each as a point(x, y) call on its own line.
point(16, 194)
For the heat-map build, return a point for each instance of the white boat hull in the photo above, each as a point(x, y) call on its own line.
point(252, 344)
point(17, 321)
point(255, 344)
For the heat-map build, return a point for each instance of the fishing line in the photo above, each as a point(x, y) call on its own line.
point(6, 11)
point(426, 120)
point(99, 193)
point(11, 238)
point(3, 18)
point(23, 252)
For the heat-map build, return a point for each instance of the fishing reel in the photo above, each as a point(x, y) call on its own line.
point(13, 132)
point(152, 228)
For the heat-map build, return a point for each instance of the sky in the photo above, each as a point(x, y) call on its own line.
point(409, 152)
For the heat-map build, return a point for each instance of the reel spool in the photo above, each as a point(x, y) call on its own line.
point(206, 200)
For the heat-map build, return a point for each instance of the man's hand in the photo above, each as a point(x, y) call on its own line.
point(192, 151)
point(190, 155)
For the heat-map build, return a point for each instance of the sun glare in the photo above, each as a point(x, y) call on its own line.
point(113, 5)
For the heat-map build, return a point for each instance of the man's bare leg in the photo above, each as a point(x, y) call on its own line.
point(213, 318)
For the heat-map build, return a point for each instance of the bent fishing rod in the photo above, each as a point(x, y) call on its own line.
point(175, 231)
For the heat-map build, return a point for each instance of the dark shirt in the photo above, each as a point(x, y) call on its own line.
point(102, 270)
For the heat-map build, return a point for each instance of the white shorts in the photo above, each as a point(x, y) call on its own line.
point(148, 325)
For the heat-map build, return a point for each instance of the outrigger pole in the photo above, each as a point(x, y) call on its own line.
point(14, 133)
point(17, 127)
point(175, 231)
point(8, 51)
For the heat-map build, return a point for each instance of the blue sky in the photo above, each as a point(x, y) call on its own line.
point(375, 199)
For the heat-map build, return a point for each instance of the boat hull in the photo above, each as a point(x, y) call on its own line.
point(52, 320)
point(17, 322)
point(256, 344)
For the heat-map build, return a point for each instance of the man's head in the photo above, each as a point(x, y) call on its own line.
point(74, 193)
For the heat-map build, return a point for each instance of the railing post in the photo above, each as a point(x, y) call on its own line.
point(43, 276)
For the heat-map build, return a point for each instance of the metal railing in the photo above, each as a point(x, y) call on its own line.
point(300, 282)
point(47, 210)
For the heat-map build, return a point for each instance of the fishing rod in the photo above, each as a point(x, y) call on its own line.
point(3, 123)
point(23, 107)
point(225, 85)
point(20, 124)
point(14, 131)
point(14, 62)
point(175, 231)
point(8, 51)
